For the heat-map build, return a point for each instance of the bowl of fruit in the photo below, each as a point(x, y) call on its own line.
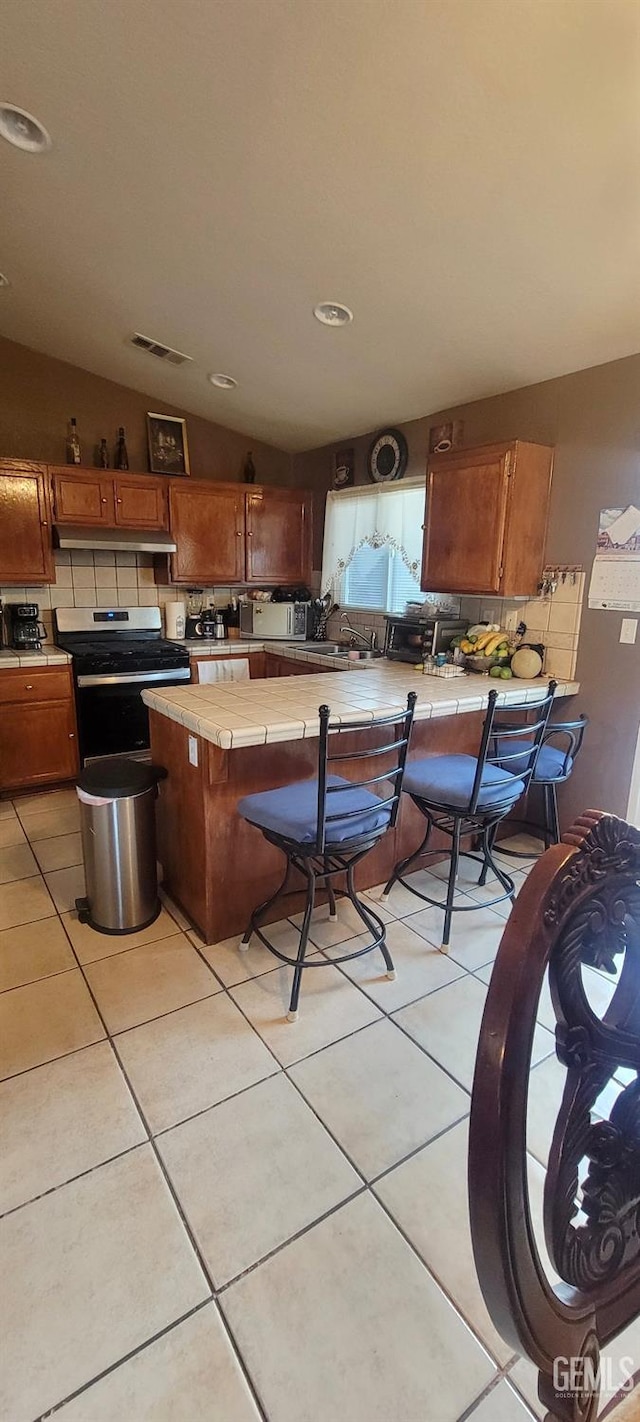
point(487, 650)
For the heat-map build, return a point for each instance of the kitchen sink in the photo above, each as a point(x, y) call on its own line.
point(332, 649)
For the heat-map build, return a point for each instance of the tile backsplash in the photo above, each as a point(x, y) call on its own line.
point(553, 619)
point(100, 578)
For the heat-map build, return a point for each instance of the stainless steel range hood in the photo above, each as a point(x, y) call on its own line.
point(119, 540)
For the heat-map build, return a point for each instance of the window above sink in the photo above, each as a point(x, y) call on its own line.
point(373, 546)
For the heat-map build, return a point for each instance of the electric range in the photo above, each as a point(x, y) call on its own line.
point(116, 652)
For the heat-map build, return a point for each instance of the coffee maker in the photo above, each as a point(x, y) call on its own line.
point(25, 630)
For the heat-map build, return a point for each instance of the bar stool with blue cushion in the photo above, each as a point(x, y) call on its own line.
point(553, 766)
point(325, 827)
point(469, 795)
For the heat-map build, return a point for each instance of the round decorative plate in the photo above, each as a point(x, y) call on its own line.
point(387, 457)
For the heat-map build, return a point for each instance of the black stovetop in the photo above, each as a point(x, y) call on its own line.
point(142, 651)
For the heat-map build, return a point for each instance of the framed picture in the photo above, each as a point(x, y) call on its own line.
point(445, 437)
point(343, 468)
point(168, 448)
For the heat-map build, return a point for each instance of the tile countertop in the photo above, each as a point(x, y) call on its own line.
point(235, 714)
point(209, 647)
point(48, 657)
point(293, 651)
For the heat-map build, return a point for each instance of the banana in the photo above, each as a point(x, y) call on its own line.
point(493, 642)
point(482, 641)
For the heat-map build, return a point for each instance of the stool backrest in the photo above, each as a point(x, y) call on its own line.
point(399, 728)
point(516, 727)
point(572, 733)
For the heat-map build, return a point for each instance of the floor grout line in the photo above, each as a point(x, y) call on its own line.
point(280, 1069)
point(148, 1343)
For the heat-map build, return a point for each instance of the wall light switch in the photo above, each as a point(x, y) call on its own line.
point(193, 750)
point(628, 629)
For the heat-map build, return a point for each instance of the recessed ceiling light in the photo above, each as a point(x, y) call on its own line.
point(224, 382)
point(4, 280)
point(22, 129)
point(332, 313)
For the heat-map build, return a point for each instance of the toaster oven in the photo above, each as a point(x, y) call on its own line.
point(290, 621)
point(409, 639)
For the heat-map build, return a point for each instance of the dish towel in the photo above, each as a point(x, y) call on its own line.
point(228, 669)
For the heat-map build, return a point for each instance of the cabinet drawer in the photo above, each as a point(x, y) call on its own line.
point(35, 684)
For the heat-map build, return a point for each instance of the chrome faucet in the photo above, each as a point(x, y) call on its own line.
point(371, 641)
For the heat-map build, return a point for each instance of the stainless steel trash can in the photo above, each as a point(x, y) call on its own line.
point(117, 820)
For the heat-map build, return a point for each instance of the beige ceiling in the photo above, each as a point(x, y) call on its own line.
point(462, 173)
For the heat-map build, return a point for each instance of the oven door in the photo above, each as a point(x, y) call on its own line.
point(112, 717)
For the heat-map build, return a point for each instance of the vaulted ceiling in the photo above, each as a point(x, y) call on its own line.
point(462, 173)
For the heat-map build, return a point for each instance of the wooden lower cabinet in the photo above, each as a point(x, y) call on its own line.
point(286, 666)
point(38, 737)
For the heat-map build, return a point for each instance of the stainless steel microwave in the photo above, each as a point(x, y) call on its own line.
point(271, 620)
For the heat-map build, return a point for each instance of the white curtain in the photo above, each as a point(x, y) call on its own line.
point(376, 515)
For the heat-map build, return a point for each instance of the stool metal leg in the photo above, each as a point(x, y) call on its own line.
point(403, 865)
point(551, 815)
point(490, 863)
point(548, 816)
point(262, 908)
point(302, 948)
point(451, 886)
point(333, 913)
point(488, 838)
point(372, 922)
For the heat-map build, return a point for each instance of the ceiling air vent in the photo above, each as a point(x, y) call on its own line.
point(156, 348)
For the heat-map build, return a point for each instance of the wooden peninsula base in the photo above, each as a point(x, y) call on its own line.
point(216, 866)
point(258, 735)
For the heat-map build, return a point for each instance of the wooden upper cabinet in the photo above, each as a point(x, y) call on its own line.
point(207, 523)
point(278, 535)
point(83, 499)
point(139, 502)
point(26, 555)
point(486, 519)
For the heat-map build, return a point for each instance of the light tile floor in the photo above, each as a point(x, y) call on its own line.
point(207, 1212)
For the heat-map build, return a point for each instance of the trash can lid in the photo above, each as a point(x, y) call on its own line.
point(114, 779)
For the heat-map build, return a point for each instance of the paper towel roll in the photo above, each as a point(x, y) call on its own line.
point(174, 614)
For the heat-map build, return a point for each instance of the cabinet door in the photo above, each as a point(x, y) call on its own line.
point(82, 498)
point(465, 522)
point(207, 523)
point(140, 503)
point(26, 555)
point(38, 743)
point(272, 664)
point(278, 536)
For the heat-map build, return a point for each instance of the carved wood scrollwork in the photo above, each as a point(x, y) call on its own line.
point(579, 908)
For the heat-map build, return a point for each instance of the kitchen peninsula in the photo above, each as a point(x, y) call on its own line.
point(223, 741)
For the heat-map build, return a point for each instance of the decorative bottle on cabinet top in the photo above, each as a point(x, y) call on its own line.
point(103, 455)
point(121, 458)
point(73, 444)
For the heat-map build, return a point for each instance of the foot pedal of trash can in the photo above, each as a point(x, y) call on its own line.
point(84, 912)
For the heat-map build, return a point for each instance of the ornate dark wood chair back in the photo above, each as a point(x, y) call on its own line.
point(579, 906)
